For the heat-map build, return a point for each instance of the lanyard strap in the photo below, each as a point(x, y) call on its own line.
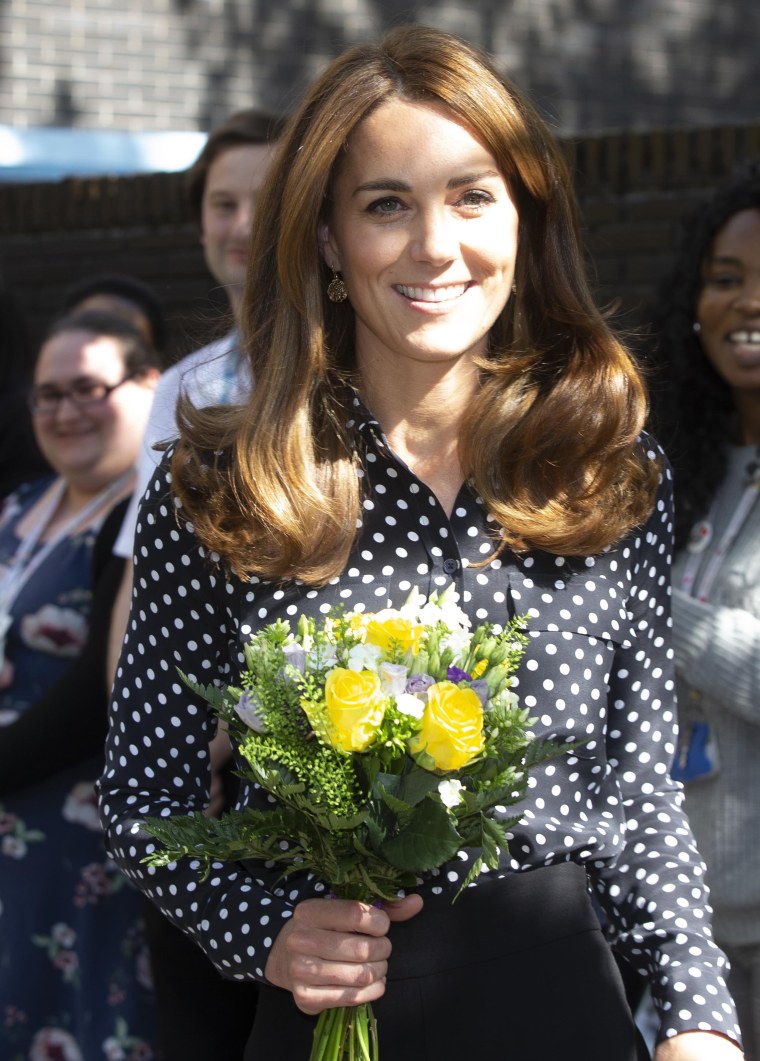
point(24, 564)
point(229, 376)
point(701, 588)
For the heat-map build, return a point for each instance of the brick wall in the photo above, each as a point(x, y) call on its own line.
point(632, 189)
point(592, 65)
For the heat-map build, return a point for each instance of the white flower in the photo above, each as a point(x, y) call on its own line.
point(113, 1050)
point(63, 934)
point(321, 656)
point(364, 657)
point(450, 792)
point(56, 631)
point(51, 1043)
point(507, 699)
point(413, 605)
point(445, 610)
point(13, 846)
point(409, 704)
point(81, 806)
point(457, 640)
point(393, 678)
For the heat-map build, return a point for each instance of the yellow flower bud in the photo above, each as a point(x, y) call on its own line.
point(452, 726)
point(355, 708)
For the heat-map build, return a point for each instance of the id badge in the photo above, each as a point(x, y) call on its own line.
point(697, 755)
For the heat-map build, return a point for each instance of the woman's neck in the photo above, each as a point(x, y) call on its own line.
point(73, 501)
point(748, 411)
point(421, 418)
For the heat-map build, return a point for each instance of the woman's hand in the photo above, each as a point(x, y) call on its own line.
point(335, 952)
point(698, 1046)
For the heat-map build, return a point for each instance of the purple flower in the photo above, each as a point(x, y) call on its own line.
point(295, 656)
point(456, 674)
point(481, 688)
point(248, 709)
point(419, 684)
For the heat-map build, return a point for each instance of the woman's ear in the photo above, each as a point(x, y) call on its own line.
point(327, 248)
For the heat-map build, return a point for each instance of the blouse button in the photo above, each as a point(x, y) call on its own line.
point(450, 565)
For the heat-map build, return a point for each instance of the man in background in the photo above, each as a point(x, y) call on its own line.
point(200, 1015)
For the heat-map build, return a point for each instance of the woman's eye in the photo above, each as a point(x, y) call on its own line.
point(83, 391)
point(476, 197)
point(386, 206)
point(723, 280)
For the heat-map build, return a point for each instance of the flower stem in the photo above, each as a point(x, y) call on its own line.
point(346, 1034)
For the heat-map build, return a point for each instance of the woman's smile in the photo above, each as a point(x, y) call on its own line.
point(440, 296)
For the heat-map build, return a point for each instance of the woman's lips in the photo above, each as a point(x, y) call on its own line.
point(421, 293)
point(746, 345)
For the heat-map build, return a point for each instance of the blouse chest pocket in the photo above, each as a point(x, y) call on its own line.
point(593, 607)
point(575, 628)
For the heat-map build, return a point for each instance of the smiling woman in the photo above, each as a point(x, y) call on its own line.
point(708, 346)
point(93, 386)
point(88, 388)
point(438, 403)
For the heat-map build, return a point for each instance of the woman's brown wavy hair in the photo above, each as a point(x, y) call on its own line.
point(550, 440)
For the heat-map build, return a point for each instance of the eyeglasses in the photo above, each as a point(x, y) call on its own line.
point(44, 400)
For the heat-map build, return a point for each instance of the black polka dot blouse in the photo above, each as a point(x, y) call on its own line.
point(598, 667)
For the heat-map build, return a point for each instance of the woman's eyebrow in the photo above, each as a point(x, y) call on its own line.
point(392, 184)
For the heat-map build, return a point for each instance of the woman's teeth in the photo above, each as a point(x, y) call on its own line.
point(746, 338)
point(432, 294)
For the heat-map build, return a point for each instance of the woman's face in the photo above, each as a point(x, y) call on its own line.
point(728, 308)
point(90, 445)
point(424, 231)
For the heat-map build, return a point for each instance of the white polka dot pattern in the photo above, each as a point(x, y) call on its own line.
point(598, 668)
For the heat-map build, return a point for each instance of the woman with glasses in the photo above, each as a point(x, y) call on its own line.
point(70, 948)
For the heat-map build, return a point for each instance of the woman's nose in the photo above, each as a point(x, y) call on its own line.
point(749, 296)
point(434, 239)
point(67, 408)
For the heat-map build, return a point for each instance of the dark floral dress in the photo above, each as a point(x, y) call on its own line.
point(74, 973)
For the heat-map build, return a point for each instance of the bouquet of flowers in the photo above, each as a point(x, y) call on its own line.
point(389, 740)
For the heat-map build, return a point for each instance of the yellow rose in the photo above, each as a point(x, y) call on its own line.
point(452, 726)
point(388, 627)
point(355, 708)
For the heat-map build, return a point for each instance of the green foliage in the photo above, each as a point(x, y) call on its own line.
point(367, 823)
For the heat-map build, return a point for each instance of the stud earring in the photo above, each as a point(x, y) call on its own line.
point(336, 289)
point(696, 327)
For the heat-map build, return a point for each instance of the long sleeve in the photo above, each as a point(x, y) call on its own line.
point(68, 722)
point(157, 759)
point(718, 654)
point(655, 894)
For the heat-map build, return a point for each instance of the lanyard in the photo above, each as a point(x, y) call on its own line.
point(229, 376)
point(23, 564)
point(702, 532)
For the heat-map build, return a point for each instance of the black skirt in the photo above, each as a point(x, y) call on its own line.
point(517, 969)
